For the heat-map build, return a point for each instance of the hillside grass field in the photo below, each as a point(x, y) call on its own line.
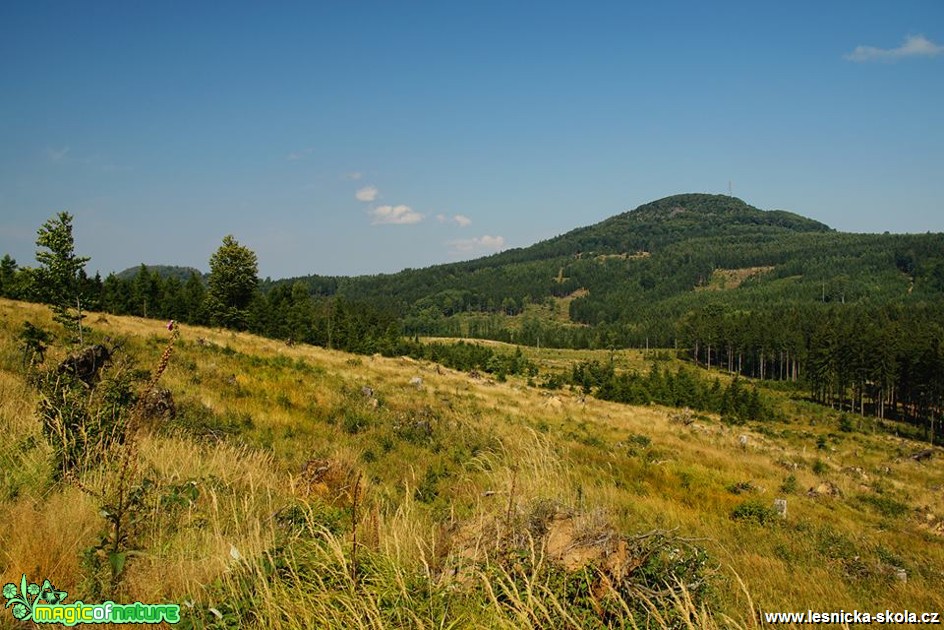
point(301, 487)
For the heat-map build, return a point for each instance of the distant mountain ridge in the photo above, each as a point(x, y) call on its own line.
point(648, 226)
point(633, 277)
point(639, 271)
point(164, 271)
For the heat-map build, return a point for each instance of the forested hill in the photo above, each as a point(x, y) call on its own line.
point(163, 271)
point(656, 225)
point(660, 223)
point(521, 272)
point(855, 319)
point(637, 273)
point(671, 273)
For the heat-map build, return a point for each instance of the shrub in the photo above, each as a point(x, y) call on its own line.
point(354, 422)
point(832, 544)
point(33, 343)
point(199, 420)
point(91, 408)
point(754, 511)
point(789, 485)
point(81, 422)
point(640, 440)
point(741, 487)
point(845, 424)
point(886, 506)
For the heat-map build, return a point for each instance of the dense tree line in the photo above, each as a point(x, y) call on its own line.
point(886, 361)
point(471, 357)
point(228, 297)
point(735, 402)
point(856, 319)
point(641, 272)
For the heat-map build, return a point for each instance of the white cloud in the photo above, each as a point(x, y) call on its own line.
point(492, 242)
point(353, 175)
point(479, 243)
point(57, 155)
point(459, 219)
point(913, 46)
point(299, 155)
point(397, 215)
point(94, 162)
point(367, 193)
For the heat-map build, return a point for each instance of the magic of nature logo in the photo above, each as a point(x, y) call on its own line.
point(44, 604)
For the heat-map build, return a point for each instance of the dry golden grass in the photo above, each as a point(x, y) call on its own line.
point(443, 468)
point(46, 535)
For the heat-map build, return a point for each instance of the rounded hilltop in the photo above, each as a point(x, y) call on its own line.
point(691, 208)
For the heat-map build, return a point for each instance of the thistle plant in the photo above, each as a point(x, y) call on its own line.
point(95, 422)
point(124, 498)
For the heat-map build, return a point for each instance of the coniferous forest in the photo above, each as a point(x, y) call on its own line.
point(856, 321)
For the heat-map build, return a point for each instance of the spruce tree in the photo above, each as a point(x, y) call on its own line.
point(233, 284)
point(60, 270)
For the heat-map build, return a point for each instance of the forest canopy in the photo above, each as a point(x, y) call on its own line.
point(854, 319)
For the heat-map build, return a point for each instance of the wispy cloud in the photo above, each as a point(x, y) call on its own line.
point(396, 215)
point(353, 175)
point(913, 46)
point(479, 243)
point(459, 219)
point(299, 155)
point(67, 157)
point(367, 193)
point(57, 155)
point(114, 168)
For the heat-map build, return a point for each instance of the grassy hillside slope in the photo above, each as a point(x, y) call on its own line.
point(301, 487)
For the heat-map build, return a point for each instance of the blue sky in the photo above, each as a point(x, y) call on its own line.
point(365, 137)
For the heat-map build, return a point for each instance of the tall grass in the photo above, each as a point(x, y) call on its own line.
point(249, 518)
